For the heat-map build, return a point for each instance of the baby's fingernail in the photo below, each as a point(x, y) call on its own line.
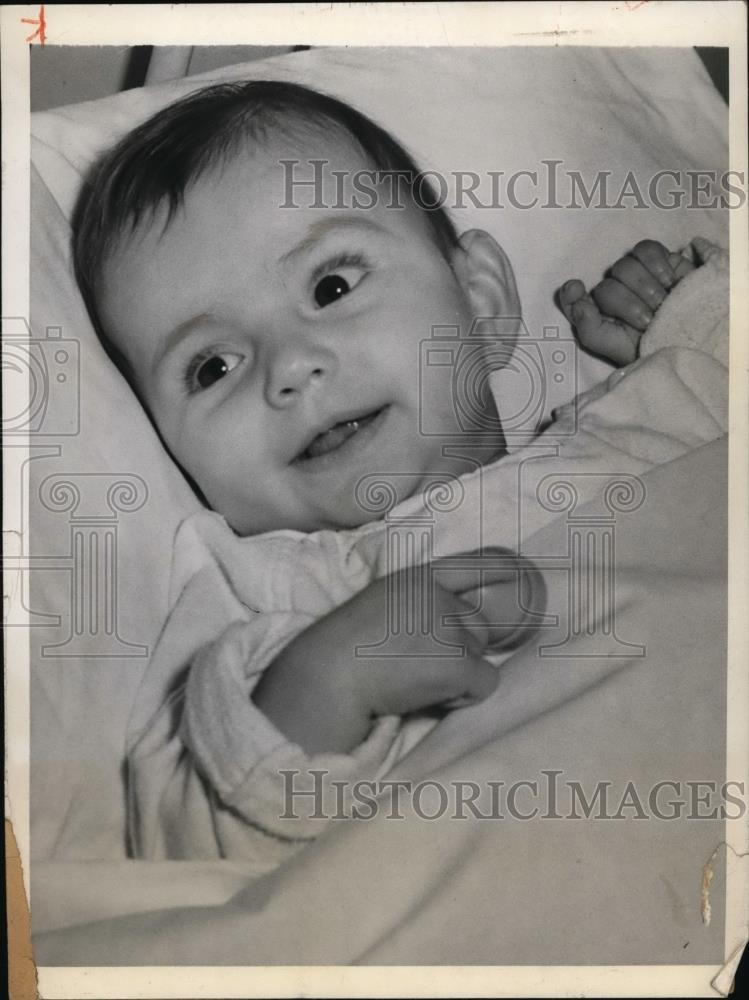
point(667, 278)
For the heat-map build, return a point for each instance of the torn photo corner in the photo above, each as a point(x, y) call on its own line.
point(375, 499)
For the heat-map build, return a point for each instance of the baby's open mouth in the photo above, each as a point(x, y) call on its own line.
point(336, 435)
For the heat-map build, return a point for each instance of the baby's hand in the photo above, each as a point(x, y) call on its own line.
point(611, 319)
point(324, 695)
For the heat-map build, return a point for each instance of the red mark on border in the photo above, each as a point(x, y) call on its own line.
point(41, 23)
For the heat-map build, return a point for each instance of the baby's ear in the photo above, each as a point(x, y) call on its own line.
point(485, 274)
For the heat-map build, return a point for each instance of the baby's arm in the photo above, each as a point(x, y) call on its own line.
point(324, 695)
point(610, 320)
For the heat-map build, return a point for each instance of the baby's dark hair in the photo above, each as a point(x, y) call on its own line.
point(155, 163)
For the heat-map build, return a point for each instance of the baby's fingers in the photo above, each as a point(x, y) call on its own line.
point(655, 258)
point(617, 301)
point(468, 681)
point(469, 571)
point(667, 268)
point(638, 279)
point(570, 293)
point(580, 310)
point(597, 333)
point(681, 266)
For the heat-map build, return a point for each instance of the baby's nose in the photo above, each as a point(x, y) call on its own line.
point(291, 377)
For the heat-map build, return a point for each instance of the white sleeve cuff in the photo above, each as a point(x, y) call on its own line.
point(242, 755)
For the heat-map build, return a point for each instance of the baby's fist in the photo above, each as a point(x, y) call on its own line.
point(611, 319)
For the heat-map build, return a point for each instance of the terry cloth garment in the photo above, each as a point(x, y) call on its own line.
point(697, 317)
point(204, 763)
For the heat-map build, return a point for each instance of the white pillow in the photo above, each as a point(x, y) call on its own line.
point(481, 110)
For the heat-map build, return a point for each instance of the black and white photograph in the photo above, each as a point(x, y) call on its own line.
point(375, 497)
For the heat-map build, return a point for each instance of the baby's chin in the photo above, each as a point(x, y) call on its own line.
point(375, 501)
point(376, 497)
point(347, 520)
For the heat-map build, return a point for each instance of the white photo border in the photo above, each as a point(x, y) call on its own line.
point(487, 24)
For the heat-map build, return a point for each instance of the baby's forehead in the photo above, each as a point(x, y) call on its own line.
point(287, 187)
point(302, 152)
point(308, 178)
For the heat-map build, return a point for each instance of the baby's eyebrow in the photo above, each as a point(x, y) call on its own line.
point(176, 335)
point(323, 227)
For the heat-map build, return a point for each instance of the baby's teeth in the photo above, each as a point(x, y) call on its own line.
point(332, 438)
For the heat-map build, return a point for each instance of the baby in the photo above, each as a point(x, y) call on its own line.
point(275, 347)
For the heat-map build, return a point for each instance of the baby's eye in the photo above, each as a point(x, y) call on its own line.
point(337, 283)
point(205, 370)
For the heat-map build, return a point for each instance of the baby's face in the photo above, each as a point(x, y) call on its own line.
point(278, 349)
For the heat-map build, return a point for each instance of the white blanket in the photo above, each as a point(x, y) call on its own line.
point(600, 891)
